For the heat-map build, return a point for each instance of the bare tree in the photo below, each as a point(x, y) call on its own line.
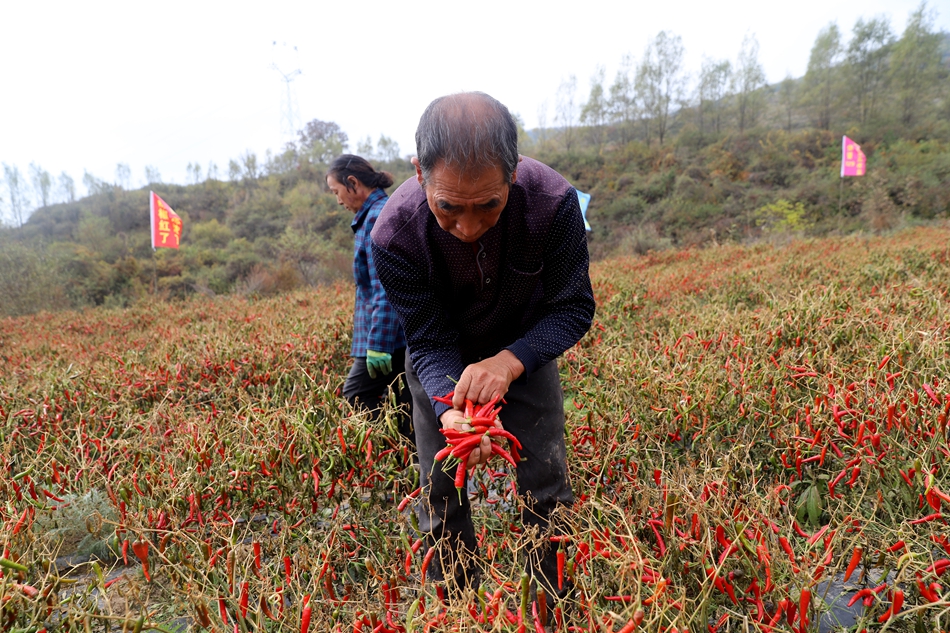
point(42, 184)
point(660, 81)
point(867, 63)
point(749, 79)
point(66, 188)
point(622, 103)
point(822, 73)
point(787, 97)
point(915, 65)
point(594, 112)
point(17, 197)
point(123, 176)
point(93, 185)
point(543, 121)
point(194, 172)
point(152, 176)
point(714, 79)
point(565, 115)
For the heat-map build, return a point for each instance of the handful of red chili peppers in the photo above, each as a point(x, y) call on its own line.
point(460, 444)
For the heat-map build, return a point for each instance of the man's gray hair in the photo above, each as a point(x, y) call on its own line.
point(469, 130)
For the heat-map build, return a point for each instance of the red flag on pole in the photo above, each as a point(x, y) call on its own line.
point(166, 225)
point(853, 162)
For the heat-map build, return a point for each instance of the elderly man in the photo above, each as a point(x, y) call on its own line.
point(484, 257)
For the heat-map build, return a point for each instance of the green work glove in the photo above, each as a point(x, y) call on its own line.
point(378, 362)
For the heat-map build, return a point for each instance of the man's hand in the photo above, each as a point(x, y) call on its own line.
point(480, 382)
point(455, 419)
point(490, 378)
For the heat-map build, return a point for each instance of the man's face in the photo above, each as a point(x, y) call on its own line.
point(465, 203)
point(350, 200)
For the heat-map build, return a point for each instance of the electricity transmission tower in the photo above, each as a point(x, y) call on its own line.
point(289, 112)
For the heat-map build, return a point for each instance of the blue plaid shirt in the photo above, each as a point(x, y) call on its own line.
point(375, 324)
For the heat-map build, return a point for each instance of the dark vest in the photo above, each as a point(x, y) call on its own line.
point(493, 300)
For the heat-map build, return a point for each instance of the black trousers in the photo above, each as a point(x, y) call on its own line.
point(362, 391)
point(534, 413)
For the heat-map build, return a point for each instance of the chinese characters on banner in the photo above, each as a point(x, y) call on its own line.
point(166, 225)
point(853, 161)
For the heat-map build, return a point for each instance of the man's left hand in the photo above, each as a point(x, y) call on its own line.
point(487, 379)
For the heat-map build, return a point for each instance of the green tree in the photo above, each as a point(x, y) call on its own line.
point(660, 80)
point(364, 147)
point(866, 59)
point(387, 150)
point(321, 141)
point(594, 112)
point(787, 93)
point(622, 103)
point(714, 79)
point(915, 66)
point(821, 77)
point(749, 80)
point(249, 169)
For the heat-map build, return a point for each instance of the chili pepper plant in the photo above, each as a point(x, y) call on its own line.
point(748, 428)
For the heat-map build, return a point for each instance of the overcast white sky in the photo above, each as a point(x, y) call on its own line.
point(87, 84)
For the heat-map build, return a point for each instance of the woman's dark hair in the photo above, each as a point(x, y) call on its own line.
point(469, 129)
point(351, 165)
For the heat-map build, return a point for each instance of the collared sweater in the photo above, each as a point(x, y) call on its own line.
point(523, 286)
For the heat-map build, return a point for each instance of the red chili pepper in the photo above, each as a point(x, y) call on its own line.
point(287, 575)
point(855, 559)
point(930, 517)
point(803, 602)
point(257, 554)
point(896, 546)
point(560, 569)
point(498, 450)
point(939, 566)
point(140, 549)
point(405, 502)
point(245, 590)
point(466, 446)
point(817, 535)
point(305, 615)
point(898, 601)
point(798, 530)
point(854, 476)
point(788, 550)
point(425, 563)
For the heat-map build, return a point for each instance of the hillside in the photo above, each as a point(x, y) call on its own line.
point(277, 232)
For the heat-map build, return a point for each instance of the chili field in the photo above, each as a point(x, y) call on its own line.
point(757, 440)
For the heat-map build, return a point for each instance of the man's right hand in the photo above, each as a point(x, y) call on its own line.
point(455, 419)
